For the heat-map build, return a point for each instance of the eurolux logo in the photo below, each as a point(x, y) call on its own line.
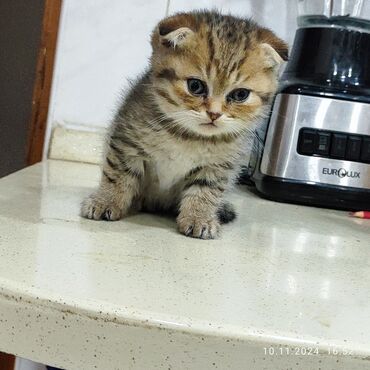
point(341, 173)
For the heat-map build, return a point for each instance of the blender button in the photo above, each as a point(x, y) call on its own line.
point(322, 144)
point(306, 142)
point(338, 147)
point(353, 151)
point(365, 150)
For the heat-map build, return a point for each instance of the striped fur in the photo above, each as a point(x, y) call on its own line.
point(162, 151)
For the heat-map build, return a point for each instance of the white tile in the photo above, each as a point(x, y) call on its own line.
point(279, 15)
point(101, 44)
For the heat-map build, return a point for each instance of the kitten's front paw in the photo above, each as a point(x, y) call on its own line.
point(96, 208)
point(197, 227)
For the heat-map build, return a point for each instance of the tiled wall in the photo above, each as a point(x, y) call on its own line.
point(102, 43)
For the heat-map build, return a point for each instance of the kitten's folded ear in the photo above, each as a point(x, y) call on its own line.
point(272, 58)
point(174, 32)
point(275, 49)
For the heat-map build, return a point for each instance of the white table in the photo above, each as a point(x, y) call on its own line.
point(135, 294)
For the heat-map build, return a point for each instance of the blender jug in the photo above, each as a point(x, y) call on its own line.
point(331, 51)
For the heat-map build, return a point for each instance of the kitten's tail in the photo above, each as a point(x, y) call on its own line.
point(226, 213)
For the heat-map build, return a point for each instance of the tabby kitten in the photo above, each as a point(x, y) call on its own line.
point(178, 139)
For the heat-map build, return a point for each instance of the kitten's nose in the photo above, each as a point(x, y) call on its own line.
point(213, 115)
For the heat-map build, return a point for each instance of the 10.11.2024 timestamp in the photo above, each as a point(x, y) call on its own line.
point(304, 351)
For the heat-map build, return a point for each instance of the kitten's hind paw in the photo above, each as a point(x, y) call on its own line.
point(96, 208)
point(197, 227)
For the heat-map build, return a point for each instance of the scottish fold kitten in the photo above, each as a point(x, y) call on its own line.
point(180, 134)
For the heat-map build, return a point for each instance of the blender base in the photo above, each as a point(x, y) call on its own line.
point(318, 194)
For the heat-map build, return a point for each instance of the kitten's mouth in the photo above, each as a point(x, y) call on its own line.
point(209, 124)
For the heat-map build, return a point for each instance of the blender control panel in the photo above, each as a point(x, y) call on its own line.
point(336, 145)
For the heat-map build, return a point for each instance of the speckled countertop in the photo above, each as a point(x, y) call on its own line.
point(285, 287)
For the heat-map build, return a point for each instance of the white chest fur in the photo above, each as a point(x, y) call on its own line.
point(170, 165)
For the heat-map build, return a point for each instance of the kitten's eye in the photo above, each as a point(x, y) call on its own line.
point(197, 87)
point(238, 95)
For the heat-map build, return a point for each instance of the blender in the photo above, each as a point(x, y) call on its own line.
point(316, 145)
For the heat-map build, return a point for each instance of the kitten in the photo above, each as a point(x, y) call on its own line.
point(179, 137)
